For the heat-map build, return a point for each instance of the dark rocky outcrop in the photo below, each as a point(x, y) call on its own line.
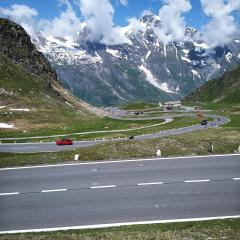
point(17, 46)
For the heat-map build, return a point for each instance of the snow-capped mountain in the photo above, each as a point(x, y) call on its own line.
point(142, 69)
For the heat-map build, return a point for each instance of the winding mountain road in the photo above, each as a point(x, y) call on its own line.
point(52, 147)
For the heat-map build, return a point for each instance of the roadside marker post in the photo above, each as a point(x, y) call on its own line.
point(76, 157)
point(158, 153)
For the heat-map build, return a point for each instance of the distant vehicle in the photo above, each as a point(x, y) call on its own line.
point(131, 137)
point(64, 142)
point(169, 108)
point(198, 108)
point(136, 113)
point(204, 122)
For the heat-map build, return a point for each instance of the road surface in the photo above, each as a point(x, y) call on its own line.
point(117, 192)
point(52, 147)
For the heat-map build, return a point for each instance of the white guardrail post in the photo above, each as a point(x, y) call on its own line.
point(76, 157)
point(159, 153)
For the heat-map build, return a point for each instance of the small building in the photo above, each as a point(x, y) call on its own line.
point(172, 105)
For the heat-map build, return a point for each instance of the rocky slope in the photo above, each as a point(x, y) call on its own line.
point(224, 89)
point(26, 73)
point(145, 69)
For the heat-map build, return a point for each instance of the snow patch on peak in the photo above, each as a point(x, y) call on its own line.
point(151, 79)
point(177, 88)
point(164, 87)
point(195, 73)
point(228, 57)
point(164, 50)
point(186, 51)
point(168, 71)
point(148, 54)
point(114, 53)
point(186, 59)
point(201, 45)
point(97, 58)
point(66, 42)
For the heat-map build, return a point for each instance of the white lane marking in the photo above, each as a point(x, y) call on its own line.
point(107, 186)
point(11, 193)
point(149, 183)
point(109, 225)
point(196, 181)
point(118, 161)
point(236, 178)
point(24, 148)
point(54, 190)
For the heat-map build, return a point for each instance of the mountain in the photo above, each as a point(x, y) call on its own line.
point(144, 69)
point(224, 89)
point(26, 76)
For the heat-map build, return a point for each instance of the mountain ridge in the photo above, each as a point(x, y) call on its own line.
point(145, 69)
point(224, 89)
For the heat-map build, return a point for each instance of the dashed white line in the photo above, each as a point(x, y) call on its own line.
point(149, 183)
point(196, 181)
point(54, 190)
point(107, 186)
point(10, 193)
point(236, 178)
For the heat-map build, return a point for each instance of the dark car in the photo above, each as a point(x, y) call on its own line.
point(131, 137)
point(64, 142)
point(204, 122)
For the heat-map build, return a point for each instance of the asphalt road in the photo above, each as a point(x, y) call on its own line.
point(121, 191)
point(52, 147)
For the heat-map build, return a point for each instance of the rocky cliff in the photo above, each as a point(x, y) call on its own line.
point(16, 45)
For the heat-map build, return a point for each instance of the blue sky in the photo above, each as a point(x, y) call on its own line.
point(220, 26)
point(48, 9)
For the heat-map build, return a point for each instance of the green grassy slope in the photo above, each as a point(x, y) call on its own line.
point(224, 89)
point(138, 106)
point(49, 113)
point(21, 89)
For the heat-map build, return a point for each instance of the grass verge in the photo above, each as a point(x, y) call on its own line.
point(130, 128)
point(224, 141)
point(205, 230)
point(138, 106)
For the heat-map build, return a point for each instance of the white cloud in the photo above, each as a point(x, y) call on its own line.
point(173, 22)
point(222, 26)
point(146, 12)
point(135, 25)
point(124, 2)
point(21, 14)
point(98, 16)
point(66, 25)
